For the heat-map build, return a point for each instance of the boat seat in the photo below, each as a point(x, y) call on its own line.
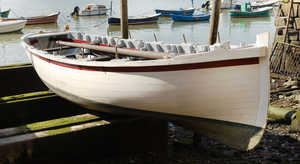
point(140, 44)
point(180, 49)
point(79, 36)
point(88, 38)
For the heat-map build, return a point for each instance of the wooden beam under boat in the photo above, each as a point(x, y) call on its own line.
point(123, 51)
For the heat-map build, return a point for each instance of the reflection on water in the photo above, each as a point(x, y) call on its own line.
point(235, 30)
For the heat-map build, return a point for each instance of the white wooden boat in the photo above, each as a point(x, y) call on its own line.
point(90, 10)
point(7, 26)
point(263, 3)
point(220, 91)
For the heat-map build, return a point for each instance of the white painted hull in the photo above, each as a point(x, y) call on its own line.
point(237, 94)
point(12, 26)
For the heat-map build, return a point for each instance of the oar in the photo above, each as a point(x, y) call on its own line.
point(122, 51)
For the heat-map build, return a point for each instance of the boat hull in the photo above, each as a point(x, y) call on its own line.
point(52, 18)
point(223, 93)
point(101, 11)
point(135, 21)
point(168, 13)
point(193, 18)
point(4, 14)
point(12, 26)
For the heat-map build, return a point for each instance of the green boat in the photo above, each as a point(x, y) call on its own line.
point(4, 14)
point(247, 11)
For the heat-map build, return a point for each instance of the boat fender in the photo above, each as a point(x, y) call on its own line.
point(149, 47)
point(168, 48)
point(225, 45)
point(99, 39)
point(79, 36)
point(141, 44)
point(88, 38)
point(130, 44)
point(180, 49)
point(159, 48)
point(121, 44)
point(104, 40)
point(112, 42)
point(174, 49)
point(192, 49)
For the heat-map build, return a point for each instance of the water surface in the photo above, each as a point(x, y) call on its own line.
point(235, 30)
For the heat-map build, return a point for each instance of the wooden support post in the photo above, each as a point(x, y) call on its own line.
point(124, 19)
point(214, 22)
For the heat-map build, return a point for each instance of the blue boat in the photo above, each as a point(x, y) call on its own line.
point(188, 11)
point(192, 18)
point(135, 20)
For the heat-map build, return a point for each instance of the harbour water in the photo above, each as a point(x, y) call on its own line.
point(235, 30)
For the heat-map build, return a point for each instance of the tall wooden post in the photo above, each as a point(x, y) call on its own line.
point(214, 22)
point(124, 19)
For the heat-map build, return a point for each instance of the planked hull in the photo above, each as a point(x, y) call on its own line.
point(168, 13)
point(255, 13)
point(193, 18)
point(51, 18)
point(12, 26)
point(135, 21)
point(226, 88)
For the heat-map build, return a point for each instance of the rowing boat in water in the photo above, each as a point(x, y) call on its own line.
point(192, 18)
point(221, 91)
point(43, 19)
point(4, 14)
point(135, 20)
point(186, 12)
point(11, 25)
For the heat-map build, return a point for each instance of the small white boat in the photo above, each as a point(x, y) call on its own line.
point(90, 10)
point(221, 91)
point(263, 3)
point(7, 26)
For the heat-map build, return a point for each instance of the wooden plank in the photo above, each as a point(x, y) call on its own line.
point(26, 97)
point(44, 125)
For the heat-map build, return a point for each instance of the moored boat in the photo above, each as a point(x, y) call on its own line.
point(247, 11)
point(4, 14)
point(220, 90)
point(263, 3)
point(90, 10)
point(192, 18)
point(135, 20)
point(186, 12)
point(11, 25)
point(43, 19)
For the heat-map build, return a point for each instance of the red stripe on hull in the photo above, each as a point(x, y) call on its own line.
point(163, 68)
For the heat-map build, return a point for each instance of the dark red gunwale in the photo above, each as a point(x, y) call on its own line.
point(162, 68)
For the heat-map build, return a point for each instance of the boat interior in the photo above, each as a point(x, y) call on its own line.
point(49, 44)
